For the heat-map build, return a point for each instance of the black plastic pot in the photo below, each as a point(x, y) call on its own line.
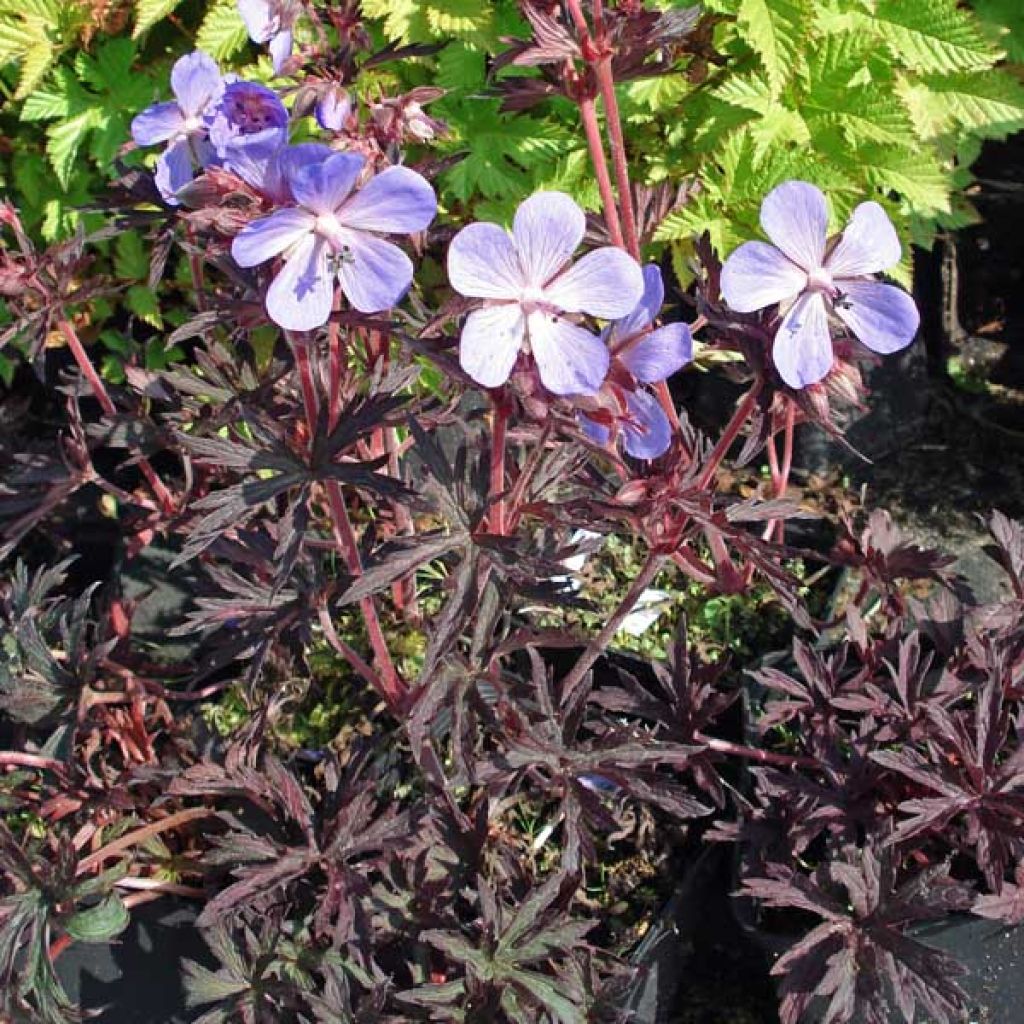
point(139, 977)
point(992, 955)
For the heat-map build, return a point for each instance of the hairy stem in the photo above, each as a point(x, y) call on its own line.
point(606, 83)
point(592, 130)
point(499, 436)
point(754, 754)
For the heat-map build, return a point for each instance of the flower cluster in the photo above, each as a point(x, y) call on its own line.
point(811, 278)
point(324, 226)
point(533, 306)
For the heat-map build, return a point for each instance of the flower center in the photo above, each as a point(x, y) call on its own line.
point(820, 280)
point(327, 227)
point(533, 300)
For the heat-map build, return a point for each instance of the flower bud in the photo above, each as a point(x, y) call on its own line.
point(333, 109)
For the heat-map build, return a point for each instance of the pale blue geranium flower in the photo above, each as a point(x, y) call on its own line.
point(197, 86)
point(640, 354)
point(332, 234)
point(812, 279)
point(531, 293)
point(271, 21)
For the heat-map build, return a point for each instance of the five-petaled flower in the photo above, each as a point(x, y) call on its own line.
point(812, 278)
point(182, 123)
point(529, 288)
point(271, 21)
point(329, 234)
point(639, 355)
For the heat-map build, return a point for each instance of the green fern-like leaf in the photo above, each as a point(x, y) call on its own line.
point(775, 31)
point(930, 36)
point(34, 34)
point(222, 33)
point(149, 12)
point(989, 104)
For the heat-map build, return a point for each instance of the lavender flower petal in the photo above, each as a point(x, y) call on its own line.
point(374, 274)
point(196, 82)
point(490, 343)
point(658, 355)
point(483, 263)
point(547, 228)
point(571, 360)
point(323, 185)
point(869, 244)
point(597, 432)
point(259, 19)
point(794, 216)
point(882, 316)
point(607, 283)
point(648, 433)
point(263, 239)
point(757, 275)
point(174, 169)
point(157, 124)
point(803, 345)
point(280, 49)
point(300, 297)
point(395, 201)
point(646, 310)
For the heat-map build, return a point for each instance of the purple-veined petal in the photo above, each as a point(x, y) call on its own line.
point(571, 360)
point(547, 228)
point(258, 18)
point(280, 49)
point(607, 283)
point(597, 432)
point(300, 297)
point(883, 317)
point(802, 352)
point(656, 356)
point(397, 201)
point(646, 310)
point(263, 239)
point(323, 185)
point(285, 162)
point(757, 275)
point(157, 124)
point(483, 264)
point(794, 216)
point(647, 433)
point(174, 169)
point(196, 82)
point(374, 274)
point(490, 343)
point(868, 245)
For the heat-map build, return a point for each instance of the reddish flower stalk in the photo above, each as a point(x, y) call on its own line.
point(588, 113)
point(731, 432)
point(100, 393)
point(389, 684)
point(606, 83)
point(499, 436)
